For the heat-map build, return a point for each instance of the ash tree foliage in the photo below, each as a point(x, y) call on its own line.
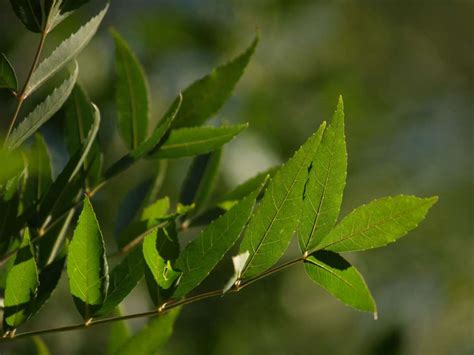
point(49, 230)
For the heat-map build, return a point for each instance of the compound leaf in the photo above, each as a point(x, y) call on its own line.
point(337, 276)
point(186, 142)
point(43, 112)
point(270, 230)
point(64, 53)
point(327, 178)
point(202, 254)
point(205, 97)
point(377, 224)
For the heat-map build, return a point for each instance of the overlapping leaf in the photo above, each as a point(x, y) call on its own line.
point(64, 53)
point(187, 142)
point(29, 12)
point(43, 112)
point(327, 178)
point(276, 218)
point(377, 224)
point(201, 255)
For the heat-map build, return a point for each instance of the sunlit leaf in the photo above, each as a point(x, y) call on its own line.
point(43, 112)
point(21, 286)
point(332, 272)
point(378, 223)
point(64, 53)
point(270, 230)
point(186, 142)
point(239, 262)
point(327, 178)
point(8, 78)
point(86, 264)
point(202, 255)
point(132, 94)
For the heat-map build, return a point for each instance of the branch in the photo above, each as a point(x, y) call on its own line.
point(165, 307)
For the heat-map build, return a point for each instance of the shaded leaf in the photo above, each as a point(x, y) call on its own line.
point(43, 112)
point(79, 117)
point(48, 280)
point(40, 345)
point(186, 142)
point(337, 276)
point(202, 255)
point(21, 286)
point(64, 53)
point(132, 94)
point(29, 12)
point(377, 224)
point(160, 250)
point(324, 190)
point(119, 332)
point(86, 264)
point(152, 336)
point(39, 178)
point(200, 180)
point(8, 78)
point(122, 280)
point(152, 143)
point(71, 5)
point(205, 97)
point(270, 230)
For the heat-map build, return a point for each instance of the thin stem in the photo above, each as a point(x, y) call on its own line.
point(167, 306)
point(21, 96)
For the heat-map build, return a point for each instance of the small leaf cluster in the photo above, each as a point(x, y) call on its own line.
point(49, 225)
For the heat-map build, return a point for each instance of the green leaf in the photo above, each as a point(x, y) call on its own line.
point(64, 53)
point(21, 286)
point(8, 78)
point(43, 112)
point(325, 187)
point(206, 96)
point(71, 5)
point(200, 181)
point(238, 193)
point(122, 280)
point(337, 276)
point(119, 332)
point(79, 118)
point(48, 281)
point(186, 142)
point(86, 264)
point(151, 338)
point(40, 345)
point(152, 143)
point(270, 230)
point(132, 94)
point(377, 224)
point(202, 255)
point(65, 189)
point(40, 172)
point(29, 12)
point(160, 250)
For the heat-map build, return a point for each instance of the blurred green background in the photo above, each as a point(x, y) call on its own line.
point(406, 71)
